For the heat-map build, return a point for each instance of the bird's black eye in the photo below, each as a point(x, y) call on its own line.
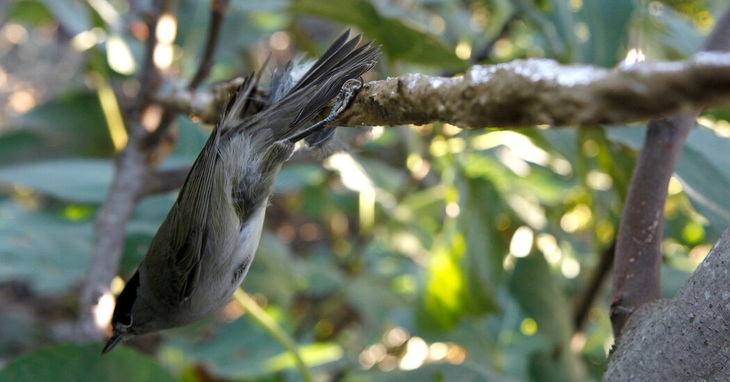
point(126, 320)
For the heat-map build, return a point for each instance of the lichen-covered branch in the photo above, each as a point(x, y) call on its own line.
point(520, 93)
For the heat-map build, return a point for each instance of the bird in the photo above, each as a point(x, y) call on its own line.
point(205, 246)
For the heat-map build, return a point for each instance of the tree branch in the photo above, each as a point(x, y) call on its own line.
point(218, 10)
point(112, 217)
point(586, 300)
point(520, 93)
point(637, 269)
point(157, 182)
point(684, 339)
point(638, 264)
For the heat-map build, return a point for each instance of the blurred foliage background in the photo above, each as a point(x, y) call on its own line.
point(420, 253)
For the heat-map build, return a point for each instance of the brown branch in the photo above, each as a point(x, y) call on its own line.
point(158, 182)
point(484, 53)
point(109, 238)
point(638, 246)
point(112, 217)
point(219, 8)
point(522, 93)
point(685, 338)
point(586, 301)
point(149, 77)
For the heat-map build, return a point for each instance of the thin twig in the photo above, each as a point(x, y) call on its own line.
point(486, 51)
point(595, 283)
point(158, 182)
point(219, 8)
point(149, 74)
point(638, 245)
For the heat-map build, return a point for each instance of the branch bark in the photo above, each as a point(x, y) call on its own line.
point(111, 219)
point(519, 93)
point(686, 338)
point(135, 176)
point(637, 270)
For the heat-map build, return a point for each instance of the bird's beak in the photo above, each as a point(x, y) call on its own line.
point(113, 341)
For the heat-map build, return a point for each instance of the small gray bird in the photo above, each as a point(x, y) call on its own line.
point(203, 249)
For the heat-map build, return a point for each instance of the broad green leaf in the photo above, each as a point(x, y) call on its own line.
point(533, 286)
point(702, 168)
point(705, 175)
point(241, 350)
point(76, 180)
point(606, 23)
point(482, 262)
point(31, 11)
point(292, 178)
point(73, 16)
point(70, 125)
point(82, 363)
point(399, 40)
point(48, 251)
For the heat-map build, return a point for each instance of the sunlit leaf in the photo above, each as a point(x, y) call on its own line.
point(398, 39)
point(702, 168)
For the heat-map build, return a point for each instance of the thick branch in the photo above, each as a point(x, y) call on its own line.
point(685, 339)
point(157, 182)
point(109, 238)
point(520, 93)
point(111, 219)
point(637, 270)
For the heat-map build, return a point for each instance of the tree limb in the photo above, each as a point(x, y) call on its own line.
point(218, 10)
point(519, 93)
point(684, 339)
point(111, 219)
point(637, 269)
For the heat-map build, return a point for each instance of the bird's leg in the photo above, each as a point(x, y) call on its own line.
point(347, 94)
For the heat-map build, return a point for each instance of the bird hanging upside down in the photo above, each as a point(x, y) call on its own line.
point(205, 246)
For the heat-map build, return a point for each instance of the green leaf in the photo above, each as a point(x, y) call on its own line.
point(70, 125)
point(30, 11)
point(482, 262)
point(433, 372)
point(540, 298)
point(607, 22)
point(76, 180)
point(48, 251)
point(81, 363)
point(702, 169)
point(705, 175)
point(73, 16)
point(399, 40)
point(240, 350)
